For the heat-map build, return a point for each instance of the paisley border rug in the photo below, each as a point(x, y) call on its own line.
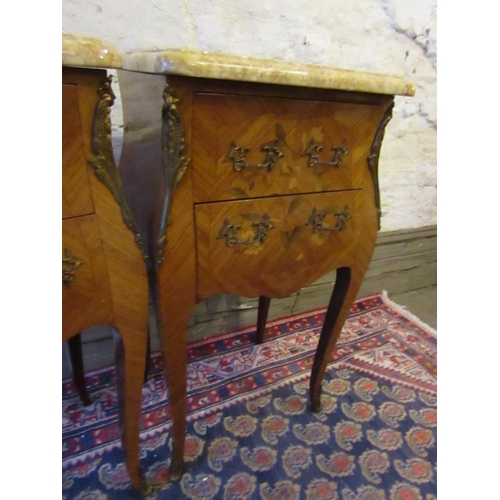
point(250, 432)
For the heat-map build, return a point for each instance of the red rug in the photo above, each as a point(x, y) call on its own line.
point(250, 433)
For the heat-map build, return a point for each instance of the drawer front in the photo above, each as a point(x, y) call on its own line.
point(273, 245)
point(86, 296)
point(247, 147)
point(76, 195)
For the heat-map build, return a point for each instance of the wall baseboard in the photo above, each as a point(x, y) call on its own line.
point(403, 261)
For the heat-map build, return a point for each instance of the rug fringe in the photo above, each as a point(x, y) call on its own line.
point(407, 314)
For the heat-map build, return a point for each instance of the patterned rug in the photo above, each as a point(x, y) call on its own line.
point(250, 434)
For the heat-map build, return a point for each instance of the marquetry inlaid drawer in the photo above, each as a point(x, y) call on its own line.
point(86, 291)
point(274, 245)
point(76, 195)
point(247, 146)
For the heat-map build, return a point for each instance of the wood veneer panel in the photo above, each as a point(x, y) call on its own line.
point(87, 302)
point(292, 256)
point(250, 122)
point(76, 196)
point(269, 90)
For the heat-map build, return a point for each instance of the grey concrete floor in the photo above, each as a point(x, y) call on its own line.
point(422, 303)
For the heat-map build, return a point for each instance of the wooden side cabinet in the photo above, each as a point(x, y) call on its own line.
point(104, 274)
point(265, 179)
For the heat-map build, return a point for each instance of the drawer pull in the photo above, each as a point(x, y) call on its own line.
point(70, 264)
point(229, 231)
point(313, 150)
point(316, 219)
point(237, 155)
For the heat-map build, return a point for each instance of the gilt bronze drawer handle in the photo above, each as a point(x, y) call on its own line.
point(70, 264)
point(316, 219)
point(313, 150)
point(237, 155)
point(229, 231)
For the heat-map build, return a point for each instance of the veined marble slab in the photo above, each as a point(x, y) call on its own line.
point(85, 51)
point(231, 67)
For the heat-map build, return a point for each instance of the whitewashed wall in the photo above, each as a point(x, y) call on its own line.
point(384, 36)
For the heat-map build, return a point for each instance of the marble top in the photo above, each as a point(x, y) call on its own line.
point(231, 67)
point(85, 51)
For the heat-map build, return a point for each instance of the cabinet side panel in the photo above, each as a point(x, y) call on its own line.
point(76, 197)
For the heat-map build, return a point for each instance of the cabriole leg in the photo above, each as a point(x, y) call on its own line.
point(130, 364)
point(347, 285)
point(76, 356)
point(264, 303)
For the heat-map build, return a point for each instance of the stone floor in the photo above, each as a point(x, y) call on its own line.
point(422, 303)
